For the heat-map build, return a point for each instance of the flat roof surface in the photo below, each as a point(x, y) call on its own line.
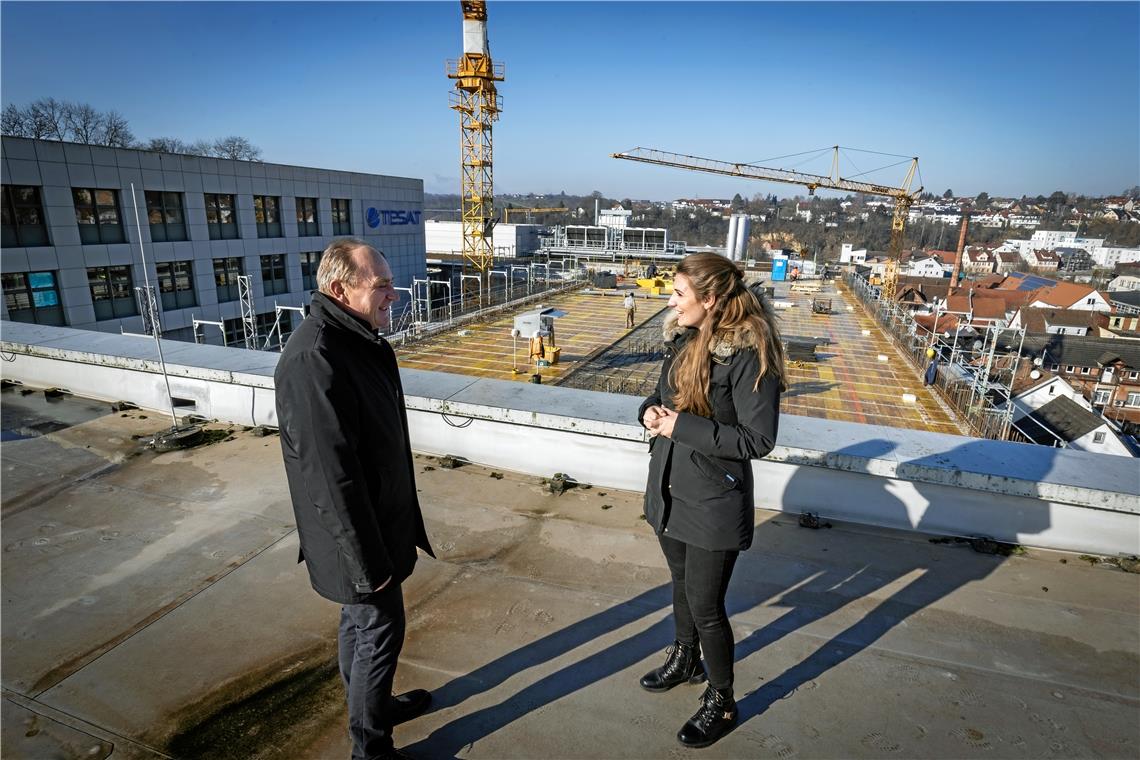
point(153, 607)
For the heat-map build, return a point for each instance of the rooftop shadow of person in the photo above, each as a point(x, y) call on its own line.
point(947, 499)
point(448, 740)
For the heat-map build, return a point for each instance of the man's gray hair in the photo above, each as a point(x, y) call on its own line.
point(337, 263)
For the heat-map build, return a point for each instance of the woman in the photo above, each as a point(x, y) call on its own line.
point(716, 407)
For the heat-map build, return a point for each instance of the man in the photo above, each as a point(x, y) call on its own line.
point(630, 309)
point(344, 437)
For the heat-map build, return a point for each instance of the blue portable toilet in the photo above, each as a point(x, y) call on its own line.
point(779, 269)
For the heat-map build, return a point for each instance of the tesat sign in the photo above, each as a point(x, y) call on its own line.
point(390, 217)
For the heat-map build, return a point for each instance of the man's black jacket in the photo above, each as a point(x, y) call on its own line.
point(344, 437)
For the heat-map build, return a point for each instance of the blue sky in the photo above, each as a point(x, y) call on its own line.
point(1008, 98)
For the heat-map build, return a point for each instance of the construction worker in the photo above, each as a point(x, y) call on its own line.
point(630, 309)
point(537, 350)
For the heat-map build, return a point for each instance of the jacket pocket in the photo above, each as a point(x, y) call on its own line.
point(715, 471)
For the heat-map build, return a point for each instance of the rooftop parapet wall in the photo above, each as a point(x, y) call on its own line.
point(930, 482)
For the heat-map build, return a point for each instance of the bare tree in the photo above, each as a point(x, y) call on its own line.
point(116, 132)
point(14, 121)
point(85, 124)
point(47, 119)
point(200, 148)
point(167, 145)
point(234, 147)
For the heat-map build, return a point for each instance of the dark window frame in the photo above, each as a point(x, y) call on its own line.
point(267, 215)
point(15, 233)
point(89, 216)
point(308, 218)
point(274, 274)
point(310, 263)
point(219, 229)
point(225, 277)
point(170, 278)
point(118, 301)
point(342, 216)
point(17, 284)
point(169, 210)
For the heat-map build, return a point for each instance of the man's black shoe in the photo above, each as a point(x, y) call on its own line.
point(409, 705)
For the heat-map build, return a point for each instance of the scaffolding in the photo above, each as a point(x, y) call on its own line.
point(976, 368)
point(248, 320)
point(148, 308)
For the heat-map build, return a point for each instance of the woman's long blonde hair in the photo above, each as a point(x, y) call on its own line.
point(735, 307)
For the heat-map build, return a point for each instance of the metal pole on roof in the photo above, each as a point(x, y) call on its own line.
point(157, 339)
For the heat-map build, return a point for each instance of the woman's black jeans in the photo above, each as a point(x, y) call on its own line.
point(700, 581)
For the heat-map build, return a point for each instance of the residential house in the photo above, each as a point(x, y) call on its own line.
point(1006, 261)
point(1125, 301)
point(1106, 371)
point(977, 259)
point(928, 266)
point(1065, 423)
point(1125, 326)
point(1124, 283)
point(1071, 295)
point(1043, 260)
point(1056, 322)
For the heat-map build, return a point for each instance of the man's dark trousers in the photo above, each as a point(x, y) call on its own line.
point(370, 638)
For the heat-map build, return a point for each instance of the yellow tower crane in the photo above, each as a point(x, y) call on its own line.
point(478, 104)
point(903, 195)
point(529, 211)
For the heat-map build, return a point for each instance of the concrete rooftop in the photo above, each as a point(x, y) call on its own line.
point(153, 607)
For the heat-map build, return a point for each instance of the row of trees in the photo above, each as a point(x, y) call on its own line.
point(51, 119)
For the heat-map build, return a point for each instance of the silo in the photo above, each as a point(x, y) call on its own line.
point(730, 241)
point(743, 230)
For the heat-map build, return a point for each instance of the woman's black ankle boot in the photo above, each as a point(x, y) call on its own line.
point(717, 716)
point(683, 664)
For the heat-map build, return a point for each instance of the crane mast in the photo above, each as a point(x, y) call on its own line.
point(479, 105)
point(903, 196)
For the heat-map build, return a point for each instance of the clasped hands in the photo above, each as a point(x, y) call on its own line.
point(659, 421)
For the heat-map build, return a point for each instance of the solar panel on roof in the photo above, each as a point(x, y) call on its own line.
point(1033, 282)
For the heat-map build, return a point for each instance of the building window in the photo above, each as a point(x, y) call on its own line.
point(310, 262)
point(307, 217)
point(266, 333)
point(1132, 400)
point(1070, 368)
point(1133, 375)
point(23, 217)
point(1098, 437)
point(32, 297)
point(273, 277)
point(341, 218)
point(1085, 370)
point(112, 292)
point(1055, 367)
point(97, 212)
point(235, 332)
point(221, 216)
point(226, 273)
point(1101, 397)
point(267, 213)
point(176, 284)
point(164, 211)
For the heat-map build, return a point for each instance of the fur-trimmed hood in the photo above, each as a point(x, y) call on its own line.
point(724, 344)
